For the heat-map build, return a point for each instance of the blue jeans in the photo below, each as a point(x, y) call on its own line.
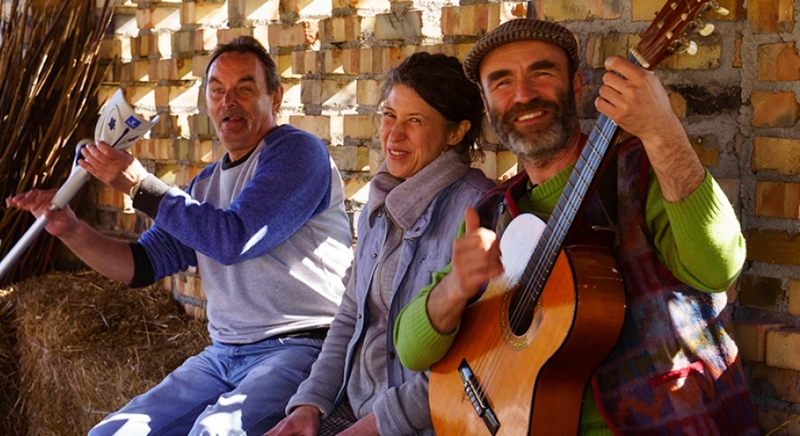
point(225, 390)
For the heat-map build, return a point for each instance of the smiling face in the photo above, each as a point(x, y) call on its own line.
point(239, 104)
point(530, 98)
point(413, 133)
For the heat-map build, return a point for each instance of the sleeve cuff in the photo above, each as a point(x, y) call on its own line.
point(148, 196)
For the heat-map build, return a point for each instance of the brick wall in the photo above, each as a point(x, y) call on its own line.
point(737, 97)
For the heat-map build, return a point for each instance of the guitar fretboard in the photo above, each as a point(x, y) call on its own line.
point(569, 203)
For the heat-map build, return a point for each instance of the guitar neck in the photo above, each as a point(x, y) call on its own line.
point(573, 198)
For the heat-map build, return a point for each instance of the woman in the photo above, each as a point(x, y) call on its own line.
point(430, 123)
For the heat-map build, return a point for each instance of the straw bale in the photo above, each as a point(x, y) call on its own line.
point(11, 420)
point(87, 345)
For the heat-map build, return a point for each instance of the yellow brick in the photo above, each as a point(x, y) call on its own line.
point(203, 13)
point(311, 92)
point(507, 165)
point(360, 126)
point(645, 10)
point(225, 36)
point(794, 297)
point(315, 8)
point(199, 64)
point(303, 33)
point(140, 71)
point(375, 160)
point(203, 39)
point(161, 45)
point(124, 22)
point(110, 49)
point(706, 150)
point(367, 91)
point(399, 26)
point(159, 17)
point(292, 94)
point(356, 189)
point(708, 55)
point(363, 158)
point(778, 154)
point(261, 10)
point(317, 125)
point(782, 348)
point(346, 157)
point(107, 196)
point(582, 10)
point(339, 93)
point(201, 151)
point(332, 61)
point(751, 337)
point(599, 48)
point(143, 149)
point(284, 63)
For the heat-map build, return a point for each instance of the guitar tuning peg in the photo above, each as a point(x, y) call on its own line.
point(718, 9)
point(684, 46)
point(705, 28)
point(690, 48)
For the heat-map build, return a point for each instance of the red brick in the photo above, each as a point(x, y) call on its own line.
point(771, 16)
point(778, 200)
point(782, 383)
point(773, 247)
point(778, 62)
point(778, 109)
point(303, 33)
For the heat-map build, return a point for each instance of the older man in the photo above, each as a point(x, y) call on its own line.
point(267, 229)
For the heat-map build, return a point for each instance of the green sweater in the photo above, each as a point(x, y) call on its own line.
point(685, 233)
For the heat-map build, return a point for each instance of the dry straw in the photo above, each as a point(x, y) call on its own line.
point(84, 346)
point(50, 71)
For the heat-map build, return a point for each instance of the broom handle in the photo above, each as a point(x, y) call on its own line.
point(76, 179)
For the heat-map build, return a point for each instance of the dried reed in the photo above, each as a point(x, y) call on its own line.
point(50, 72)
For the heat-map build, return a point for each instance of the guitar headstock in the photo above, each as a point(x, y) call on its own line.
point(666, 34)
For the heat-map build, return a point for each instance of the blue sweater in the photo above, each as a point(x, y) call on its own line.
point(268, 233)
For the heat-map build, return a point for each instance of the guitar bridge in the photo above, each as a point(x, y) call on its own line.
point(476, 396)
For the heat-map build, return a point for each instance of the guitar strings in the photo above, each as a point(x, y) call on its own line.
point(546, 253)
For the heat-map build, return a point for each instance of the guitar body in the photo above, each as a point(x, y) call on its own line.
point(531, 374)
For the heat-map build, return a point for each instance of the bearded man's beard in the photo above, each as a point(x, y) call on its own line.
point(541, 145)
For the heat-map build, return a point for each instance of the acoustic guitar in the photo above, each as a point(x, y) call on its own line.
point(527, 348)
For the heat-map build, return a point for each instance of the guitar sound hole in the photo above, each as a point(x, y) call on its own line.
point(520, 311)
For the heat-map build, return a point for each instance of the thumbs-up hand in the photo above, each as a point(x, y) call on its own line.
point(476, 256)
